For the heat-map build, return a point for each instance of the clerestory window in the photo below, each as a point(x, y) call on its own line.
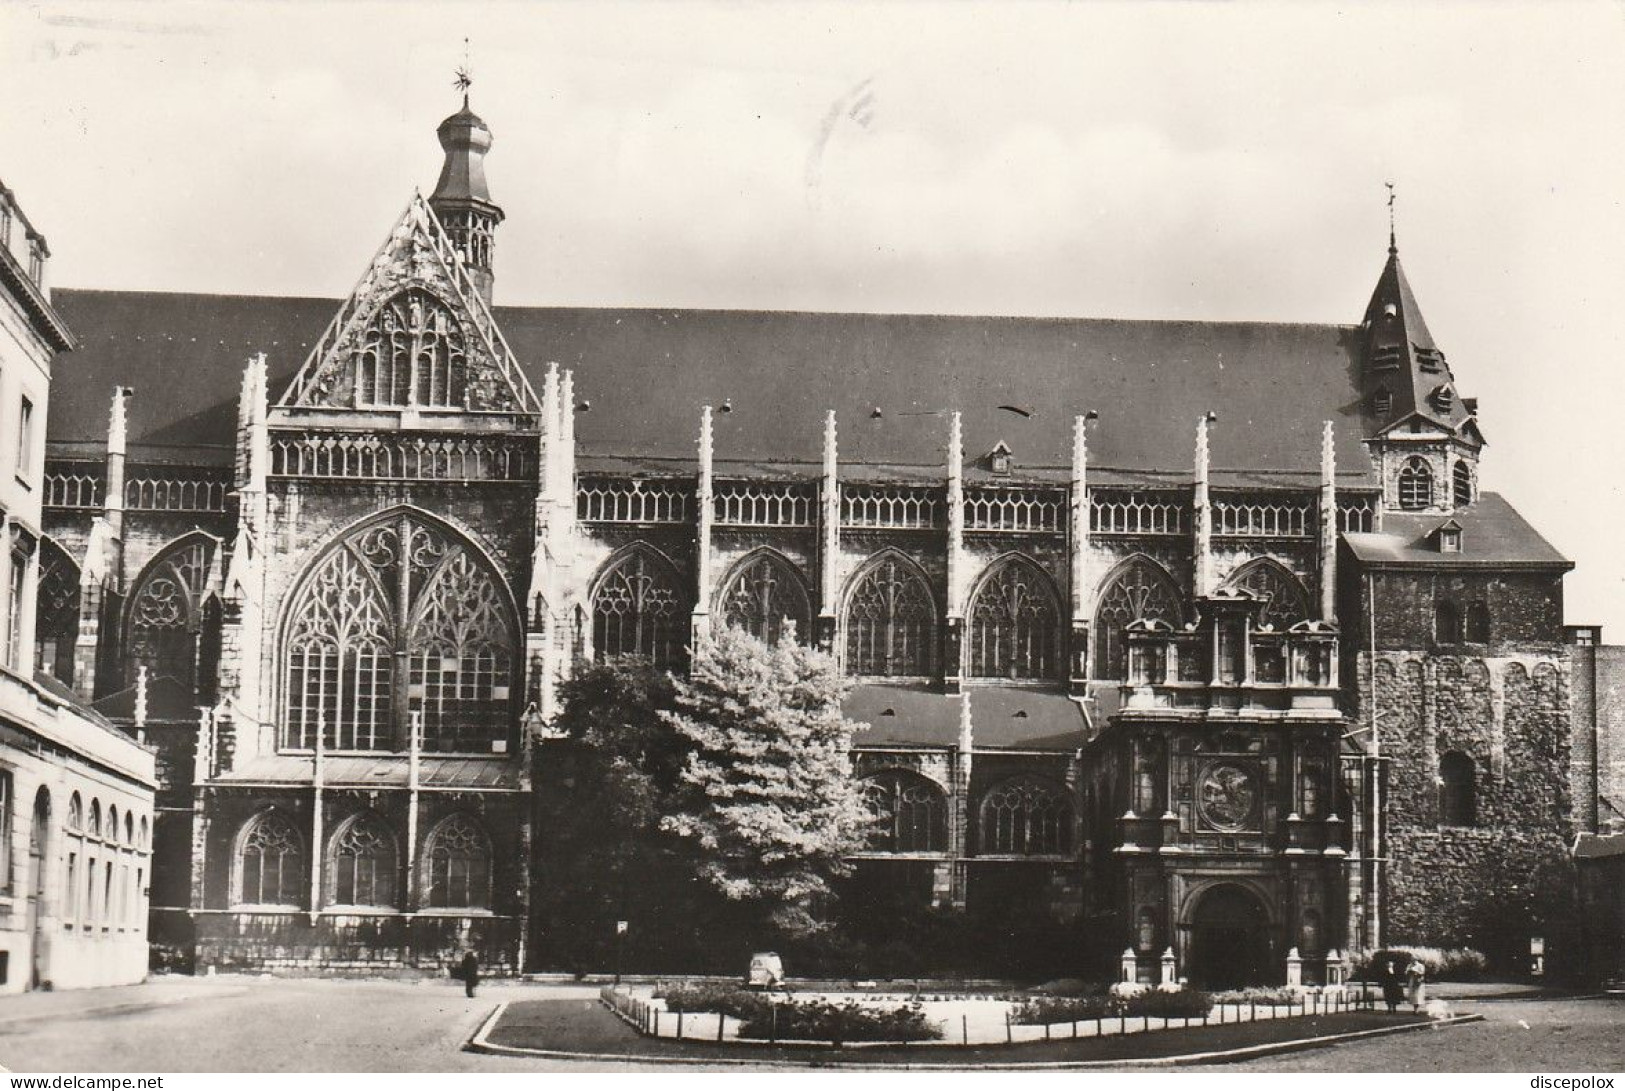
point(1014, 624)
point(891, 621)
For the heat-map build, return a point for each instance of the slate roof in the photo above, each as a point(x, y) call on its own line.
point(1002, 717)
point(168, 701)
point(377, 771)
point(1395, 326)
point(1591, 846)
point(646, 372)
point(1492, 533)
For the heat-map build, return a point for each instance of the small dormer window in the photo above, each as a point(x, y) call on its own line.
point(1450, 540)
point(1442, 398)
point(1390, 311)
point(1000, 460)
point(1383, 402)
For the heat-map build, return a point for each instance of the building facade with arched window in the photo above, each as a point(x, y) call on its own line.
point(1103, 650)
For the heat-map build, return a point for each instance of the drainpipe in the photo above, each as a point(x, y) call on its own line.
point(1376, 769)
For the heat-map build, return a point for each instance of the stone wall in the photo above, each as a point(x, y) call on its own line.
point(1506, 878)
point(1599, 735)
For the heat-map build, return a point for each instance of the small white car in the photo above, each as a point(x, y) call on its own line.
point(766, 971)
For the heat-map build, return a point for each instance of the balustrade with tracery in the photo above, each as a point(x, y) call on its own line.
point(1243, 516)
point(892, 507)
point(743, 504)
point(617, 500)
point(371, 456)
point(1016, 510)
point(1113, 511)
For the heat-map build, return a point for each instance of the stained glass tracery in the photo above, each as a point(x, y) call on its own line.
point(637, 609)
point(401, 590)
point(1285, 599)
point(891, 622)
point(763, 594)
point(56, 621)
point(1014, 624)
point(270, 863)
point(1140, 590)
point(913, 813)
point(362, 868)
point(166, 612)
point(459, 866)
point(1025, 817)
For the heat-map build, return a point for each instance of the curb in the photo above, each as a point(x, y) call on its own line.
point(480, 1043)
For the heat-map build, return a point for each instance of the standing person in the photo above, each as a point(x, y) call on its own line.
point(1393, 985)
point(469, 970)
point(1416, 988)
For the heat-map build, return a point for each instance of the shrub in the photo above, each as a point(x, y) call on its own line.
point(1443, 964)
point(1071, 986)
point(1180, 1004)
point(821, 1021)
point(1062, 1009)
point(1257, 995)
point(714, 997)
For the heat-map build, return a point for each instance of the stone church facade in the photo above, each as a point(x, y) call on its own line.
point(1201, 636)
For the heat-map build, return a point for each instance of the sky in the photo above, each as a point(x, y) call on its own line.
point(1148, 160)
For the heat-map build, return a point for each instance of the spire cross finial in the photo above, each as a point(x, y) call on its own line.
point(465, 75)
point(1393, 247)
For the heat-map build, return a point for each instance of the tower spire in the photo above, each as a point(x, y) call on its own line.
point(461, 197)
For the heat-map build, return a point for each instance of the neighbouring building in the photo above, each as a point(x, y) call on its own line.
point(75, 792)
point(1200, 635)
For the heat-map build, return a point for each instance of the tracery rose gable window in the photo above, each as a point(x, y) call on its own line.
point(56, 622)
point(1285, 600)
point(459, 866)
point(891, 622)
point(270, 863)
point(1415, 485)
point(1025, 817)
point(413, 353)
point(166, 612)
point(762, 595)
point(1015, 624)
point(362, 866)
point(913, 813)
point(637, 609)
point(1140, 590)
point(399, 590)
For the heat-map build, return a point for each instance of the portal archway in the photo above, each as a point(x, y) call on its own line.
point(1229, 939)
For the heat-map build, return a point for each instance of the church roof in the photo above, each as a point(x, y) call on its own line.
point(1404, 360)
point(646, 373)
point(1002, 717)
point(1492, 533)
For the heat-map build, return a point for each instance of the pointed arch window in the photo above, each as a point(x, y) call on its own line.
point(1457, 791)
point(1461, 484)
point(56, 620)
point(399, 592)
point(913, 812)
point(763, 593)
point(1285, 601)
point(1415, 485)
point(414, 352)
point(1140, 590)
point(1014, 623)
point(1025, 816)
point(166, 633)
point(363, 863)
point(891, 621)
point(458, 861)
point(271, 866)
point(638, 608)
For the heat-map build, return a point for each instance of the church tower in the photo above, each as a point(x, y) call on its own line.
point(461, 198)
point(1425, 438)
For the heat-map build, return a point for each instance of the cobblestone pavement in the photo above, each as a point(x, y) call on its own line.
point(236, 1024)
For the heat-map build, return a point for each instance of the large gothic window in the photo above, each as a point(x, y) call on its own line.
point(1014, 623)
point(1025, 816)
point(762, 594)
point(413, 353)
point(166, 617)
point(1139, 590)
point(891, 621)
point(1285, 601)
point(458, 866)
point(1415, 485)
point(639, 609)
point(270, 863)
point(362, 867)
point(913, 813)
point(56, 622)
point(401, 617)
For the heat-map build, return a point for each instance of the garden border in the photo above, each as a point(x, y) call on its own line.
point(480, 1043)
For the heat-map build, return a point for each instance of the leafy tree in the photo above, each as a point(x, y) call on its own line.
point(771, 804)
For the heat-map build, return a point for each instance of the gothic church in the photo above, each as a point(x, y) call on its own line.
point(1201, 635)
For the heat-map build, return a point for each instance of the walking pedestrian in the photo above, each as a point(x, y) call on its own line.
point(1416, 988)
point(469, 971)
point(1389, 976)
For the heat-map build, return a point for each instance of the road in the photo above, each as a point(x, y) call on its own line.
point(236, 1024)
